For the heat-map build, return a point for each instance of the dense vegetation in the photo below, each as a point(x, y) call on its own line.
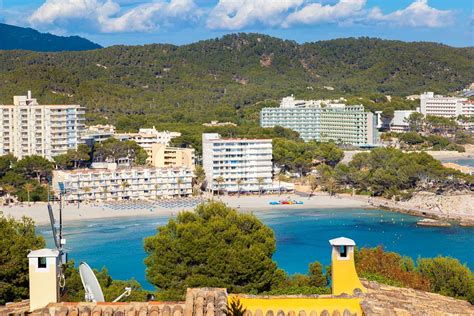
point(14, 37)
point(24, 178)
point(392, 173)
point(229, 79)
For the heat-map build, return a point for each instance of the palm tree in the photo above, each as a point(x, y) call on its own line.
point(331, 185)
point(239, 183)
point(219, 181)
point(28, 188)
point(313, 184)
point(260, 181)
point(180, 182)
point(281, 177)
point(9, 190)
point(87, 190)
point(105, 191)
point(199, 176)
point(157, 186)
point(124, 185)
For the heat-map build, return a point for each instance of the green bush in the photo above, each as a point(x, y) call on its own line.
point(448, 277)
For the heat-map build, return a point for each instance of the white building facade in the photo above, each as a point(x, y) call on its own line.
point(438, 105)
point(235, 160)
point(399, 123)
point(147, 137)
point(324, 120)
point(28, 128)
point(110, 183)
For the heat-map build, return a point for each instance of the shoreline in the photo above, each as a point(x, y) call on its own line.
point(38, 211)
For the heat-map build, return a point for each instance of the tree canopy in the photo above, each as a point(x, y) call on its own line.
point(213, 246)
point(17, 238)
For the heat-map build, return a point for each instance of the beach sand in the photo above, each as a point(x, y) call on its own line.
point(39, 212)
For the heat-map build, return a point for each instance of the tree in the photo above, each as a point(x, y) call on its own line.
point(415, 121)
point(260, 182)
point(28, 188)
point(313, 184)
point(199, 176)
point(239, 183)
point(17, 238)
point(9, 190)
point(157, 186)
point(124, 185)
point(7, 162)
point(214, 246)
point(411, 138)
point(448, 277)
point(316, 275)
point(63, 161)
point(34, 167)
point(281, 178)
point(219, 180)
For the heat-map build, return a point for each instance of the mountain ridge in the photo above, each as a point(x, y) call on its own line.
point(223, 78)
point(21, 38)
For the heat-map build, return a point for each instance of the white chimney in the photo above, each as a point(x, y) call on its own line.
point(29, 94)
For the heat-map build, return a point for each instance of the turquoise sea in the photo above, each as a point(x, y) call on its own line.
point(302, 237)
point(469, 162)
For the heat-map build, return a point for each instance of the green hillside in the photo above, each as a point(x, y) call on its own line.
point(14, 37)
point(224, 78)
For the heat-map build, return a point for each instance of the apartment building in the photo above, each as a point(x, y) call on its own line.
point(399, 122)
point(164, 156)
point(147, 137)
point(324, 120)
point(98, 134)
point(112, 183)
point(438, 105)
point(29, 128)
point(244, 164)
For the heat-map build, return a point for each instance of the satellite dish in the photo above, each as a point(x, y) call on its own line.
point(92, 286)
point(90, 283)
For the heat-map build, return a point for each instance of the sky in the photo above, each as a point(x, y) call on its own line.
point(137, 22)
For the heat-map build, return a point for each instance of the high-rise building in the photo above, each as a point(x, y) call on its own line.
point(438, 105)
point(323, 120)
point(233, 164)
point(147, 137)
point(165, 156)
point(28, 128)
point(111, 183)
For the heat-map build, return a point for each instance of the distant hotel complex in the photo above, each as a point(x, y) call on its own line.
point(323, 120)
point(438, 105)
point(29, 128)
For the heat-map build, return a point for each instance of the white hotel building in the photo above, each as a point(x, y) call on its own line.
point(438, 105)
point(28, 128)
point(110, 183)
point(323, 120)
point(235, 158)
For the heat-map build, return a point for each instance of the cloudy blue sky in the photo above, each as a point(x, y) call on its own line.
point(110, 22)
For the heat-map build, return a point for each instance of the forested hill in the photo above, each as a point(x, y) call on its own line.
point(14, 37)
point(223, 78)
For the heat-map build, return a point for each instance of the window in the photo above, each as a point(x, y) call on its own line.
point(42, 262)
point(343, 251)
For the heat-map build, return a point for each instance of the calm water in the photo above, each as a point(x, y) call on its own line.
point(302, 237)
point(463, 162)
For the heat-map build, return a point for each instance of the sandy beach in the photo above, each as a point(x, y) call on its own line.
point(454, 208)
point(39, 213)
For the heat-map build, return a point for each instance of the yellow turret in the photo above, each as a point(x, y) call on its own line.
point(344, 274)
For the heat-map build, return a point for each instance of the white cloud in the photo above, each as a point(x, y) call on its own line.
point(417, 14)
point(237, 14)
point(316, 13)
point(107, 16)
